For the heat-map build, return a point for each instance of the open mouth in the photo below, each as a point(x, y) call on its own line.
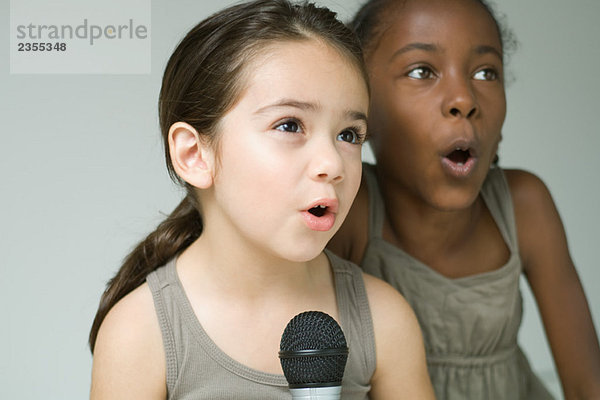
point(321, 217)
point(318, 211)
point(459, 156)
point(460, 161)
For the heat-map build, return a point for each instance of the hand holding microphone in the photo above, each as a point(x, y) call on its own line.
point(313, 354)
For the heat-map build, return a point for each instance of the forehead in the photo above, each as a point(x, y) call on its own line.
point(300, 53)
point(310, 67)
point(464, 22)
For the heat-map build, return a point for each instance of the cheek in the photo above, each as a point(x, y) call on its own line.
point(493, 107)
point(382, 123)
point(501, 113)
point(493, 129)
point(348, 189)
point(243, 168)
point(397, 125)
point(354, 174)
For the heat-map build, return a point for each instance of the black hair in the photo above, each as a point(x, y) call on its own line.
point(368, 24)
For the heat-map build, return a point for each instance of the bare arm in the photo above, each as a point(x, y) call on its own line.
point(129, 361)
point(401, 371)
point(555, 284)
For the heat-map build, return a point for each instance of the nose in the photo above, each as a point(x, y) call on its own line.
point(326, 162)
point(460, 100)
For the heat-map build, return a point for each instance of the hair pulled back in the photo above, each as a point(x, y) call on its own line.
point(202, 80)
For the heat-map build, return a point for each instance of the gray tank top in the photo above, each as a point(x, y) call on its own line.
point(198, 369)
point(469, 324)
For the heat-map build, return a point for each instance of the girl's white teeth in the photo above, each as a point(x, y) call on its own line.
point(322, 206)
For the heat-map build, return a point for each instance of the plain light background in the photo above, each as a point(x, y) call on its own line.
point(83, 179)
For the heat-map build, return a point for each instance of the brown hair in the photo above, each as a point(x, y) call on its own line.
point(202, 81)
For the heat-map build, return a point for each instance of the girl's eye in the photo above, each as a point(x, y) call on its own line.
point(486, 74)
point(420, 73)
point(289, 126)
point(351, 136)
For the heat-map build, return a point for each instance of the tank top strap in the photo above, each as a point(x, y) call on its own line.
point(355, 316)
point(376, 205)
point(158, 280)
point(198, 368)
point(496, 194)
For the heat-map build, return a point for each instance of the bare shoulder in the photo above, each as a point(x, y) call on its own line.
point(351, 239)
point(526, 188)
point(531, 197)
point(393, 317)
point(401, 371)
point(129, 360)
point(538, 222)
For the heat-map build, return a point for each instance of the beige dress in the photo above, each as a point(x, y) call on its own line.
point(469, 324)
point(198, 369)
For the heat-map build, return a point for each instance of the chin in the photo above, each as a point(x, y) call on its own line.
point(304, 253)
point(305, 256)
point(454, 200)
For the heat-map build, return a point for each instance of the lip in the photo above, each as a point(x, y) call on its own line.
point(324, 222)
point(459, 169)
point(332, 204)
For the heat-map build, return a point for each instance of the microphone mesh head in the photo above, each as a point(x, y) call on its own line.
point(313, 351)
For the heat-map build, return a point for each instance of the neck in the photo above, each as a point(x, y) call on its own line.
point(242, 272)
point(420, 228)
point(236, 293)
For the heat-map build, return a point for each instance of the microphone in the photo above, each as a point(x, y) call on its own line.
point(313, 354)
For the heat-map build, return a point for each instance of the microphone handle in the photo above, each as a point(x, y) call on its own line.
point(317, 393)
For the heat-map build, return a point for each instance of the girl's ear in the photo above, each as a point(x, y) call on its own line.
point(192, 158)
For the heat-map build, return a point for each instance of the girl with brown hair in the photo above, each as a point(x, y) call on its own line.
point(263, 112)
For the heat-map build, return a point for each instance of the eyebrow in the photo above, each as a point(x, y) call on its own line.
point(303, 105)
point(356, 115)
point(429, 47)
point(414, 46)
point(485, 49)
